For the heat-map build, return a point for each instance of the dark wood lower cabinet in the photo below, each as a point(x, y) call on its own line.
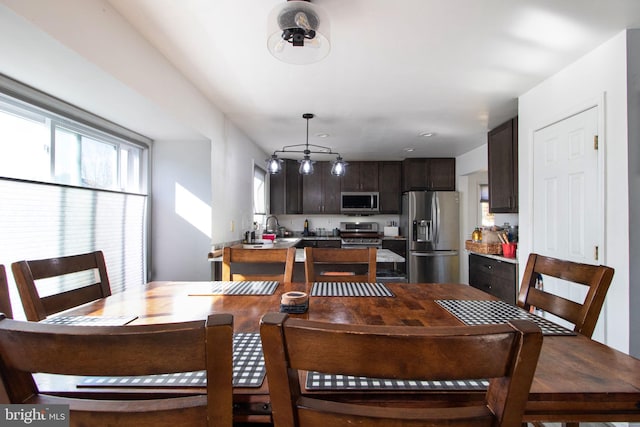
point(318, 243)
point(495, 277)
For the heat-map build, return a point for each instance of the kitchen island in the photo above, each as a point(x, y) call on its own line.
point(384, 256)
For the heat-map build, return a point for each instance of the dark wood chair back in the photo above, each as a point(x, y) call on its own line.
point(72, 292)
point(268, 259)
point(340, 265)
point(584, 316)
point(30, 347)
point(506, 354)
point(5, 300)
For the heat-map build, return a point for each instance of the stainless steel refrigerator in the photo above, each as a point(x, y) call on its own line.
point(431, 222)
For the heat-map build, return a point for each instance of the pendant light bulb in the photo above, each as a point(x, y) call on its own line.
point(306, 166)
point(274, 164)
point(338, 167)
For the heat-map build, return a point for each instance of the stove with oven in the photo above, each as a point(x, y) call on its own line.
point(360, 235)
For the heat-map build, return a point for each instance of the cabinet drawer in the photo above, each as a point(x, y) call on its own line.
point(500, 288)
point(499, 269)
point(494, 277)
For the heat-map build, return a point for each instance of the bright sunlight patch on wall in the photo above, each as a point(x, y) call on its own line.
point(193, 210)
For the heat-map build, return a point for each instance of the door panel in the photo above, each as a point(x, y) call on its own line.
point(566, 211)
point(567, 214)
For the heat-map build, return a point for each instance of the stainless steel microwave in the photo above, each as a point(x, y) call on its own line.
point(357, 202)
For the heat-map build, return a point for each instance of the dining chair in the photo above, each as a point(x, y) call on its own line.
point(5, 300)
point(583, 316)
point(78, 279)
point(275, 264)
point(505, 354)
point(30, 347)
point(340, 265)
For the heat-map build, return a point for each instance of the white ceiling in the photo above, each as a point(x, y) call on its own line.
point(396, 68)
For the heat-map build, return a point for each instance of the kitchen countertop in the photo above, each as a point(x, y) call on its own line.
point(496, 257)
point(383, 255)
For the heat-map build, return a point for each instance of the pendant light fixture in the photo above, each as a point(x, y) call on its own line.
point(298, 32)
point(274, 164)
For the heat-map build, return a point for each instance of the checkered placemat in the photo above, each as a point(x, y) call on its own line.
point(494, 312)
point(89, 320)
point(248, 370)
point(350, 289)
point(255, 287)
point(319, 381)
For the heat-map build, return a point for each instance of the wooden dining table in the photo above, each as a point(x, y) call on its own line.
point(577, 379)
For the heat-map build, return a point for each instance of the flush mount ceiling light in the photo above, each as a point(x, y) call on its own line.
point(274, 164)
point(426, 134)
point(298, 32)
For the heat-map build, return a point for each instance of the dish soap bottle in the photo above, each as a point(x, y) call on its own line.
point(305, 232)
point(476, 236)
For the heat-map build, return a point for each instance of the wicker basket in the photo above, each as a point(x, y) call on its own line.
point(483, 248)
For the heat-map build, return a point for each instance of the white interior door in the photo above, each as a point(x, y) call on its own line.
point(567, 212)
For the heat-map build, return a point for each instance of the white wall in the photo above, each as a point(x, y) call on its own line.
point(84, 52)
point(471, 169)
point(633, 106)
point(180, 210)
point(233, 159)
point(598, 76)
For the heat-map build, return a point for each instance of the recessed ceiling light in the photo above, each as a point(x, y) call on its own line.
point(322, 135)
point(409, 150)
point(426, 134)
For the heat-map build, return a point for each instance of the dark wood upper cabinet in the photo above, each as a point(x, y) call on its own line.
point(321, 191)
point(285, 190)
point(361, 176)
point(389, 187)
point(502, 144)
point(432, 174)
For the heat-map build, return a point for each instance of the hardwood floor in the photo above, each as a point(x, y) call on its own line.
point(581, 425)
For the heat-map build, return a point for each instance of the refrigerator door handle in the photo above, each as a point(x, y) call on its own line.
point(435, 215)
point(433, 254)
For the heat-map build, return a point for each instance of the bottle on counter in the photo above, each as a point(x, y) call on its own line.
point(476, 236)
point(305, 232)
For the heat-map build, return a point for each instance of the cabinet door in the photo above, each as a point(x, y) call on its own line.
point(361, 176)
point(503, 168)
point(414, 175)
point(369, 176)
point(432, 174)
point(331, 190)
point(351, 178)
point(494, 277)
point(321, 191)
point(277, 193)
point(312, 192)
point(328, 243)
point(285, 190)
point(389, 186)
point(442, 174)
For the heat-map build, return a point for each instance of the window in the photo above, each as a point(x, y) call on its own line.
point(259, 195)
point(38, 146)
point(70, 183)
point(487, 219)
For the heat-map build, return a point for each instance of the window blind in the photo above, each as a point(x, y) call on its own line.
point(42, 220)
